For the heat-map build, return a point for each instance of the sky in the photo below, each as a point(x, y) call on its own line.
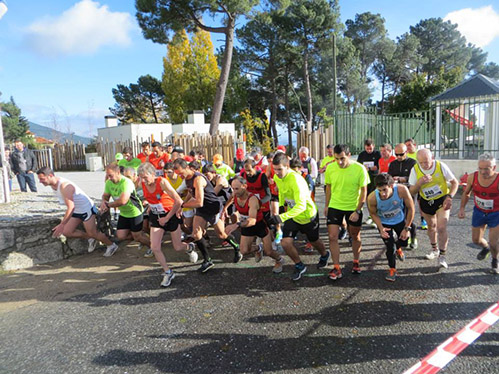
point(60, 59)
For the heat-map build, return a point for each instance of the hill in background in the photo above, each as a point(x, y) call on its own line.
point(48, 133)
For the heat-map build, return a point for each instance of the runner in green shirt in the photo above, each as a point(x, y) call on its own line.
point(346, 192)
point(128, 160)
point(122, 190)
point(222, 169)
point(301, 215)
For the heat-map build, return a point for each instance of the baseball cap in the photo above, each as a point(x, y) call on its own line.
point(218, 158)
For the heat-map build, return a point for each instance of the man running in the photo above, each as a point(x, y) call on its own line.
point(146, 151)
point(158, 158)
point(80, 209)
point(346, 192)
point(209, 207)
point(485, 186)
point(386, 157)
point(128, 160)
point(429, 178)
point(369, 157)
point(125, 198)
point(301, 215)
point(252, 224)
point(164, 202)
point(392, 209)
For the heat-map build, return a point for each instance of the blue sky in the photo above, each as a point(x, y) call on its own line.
point(60, 59)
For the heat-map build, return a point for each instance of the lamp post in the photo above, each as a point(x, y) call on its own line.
point(5, 174)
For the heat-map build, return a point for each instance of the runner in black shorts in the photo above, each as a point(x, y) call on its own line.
point(252, 223)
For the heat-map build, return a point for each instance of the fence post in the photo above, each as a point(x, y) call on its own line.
point(51, 163)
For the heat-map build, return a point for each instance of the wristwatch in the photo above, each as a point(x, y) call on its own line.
point(407, 228)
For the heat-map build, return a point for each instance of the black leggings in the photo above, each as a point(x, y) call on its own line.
point(391, 244)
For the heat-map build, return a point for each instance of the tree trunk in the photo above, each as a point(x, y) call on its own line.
point(308, 90)
point(224, 77)
point(383, 95)
point(273, 114)
point(288, 119)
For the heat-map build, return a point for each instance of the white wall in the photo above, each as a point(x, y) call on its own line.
point(159, 131)
point(202, 128)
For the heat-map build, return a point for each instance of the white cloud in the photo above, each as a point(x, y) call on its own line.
point(480, 26)
point(80, 30)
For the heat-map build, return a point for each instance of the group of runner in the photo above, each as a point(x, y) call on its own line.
point(271, 199)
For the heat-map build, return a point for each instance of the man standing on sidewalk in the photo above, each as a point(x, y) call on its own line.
point(23, 164)
point(429, 178)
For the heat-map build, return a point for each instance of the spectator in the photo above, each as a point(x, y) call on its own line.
point(23, 164)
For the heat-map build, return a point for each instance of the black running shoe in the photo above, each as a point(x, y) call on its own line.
point(483, 254)
point(237, 257)
point(343, 233)
point(205, 266)
point(323, 260)
point(298, 272)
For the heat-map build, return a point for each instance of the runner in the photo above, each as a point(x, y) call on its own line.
point(164, 203)
point(239, 160)
point(392, 209)
point(80, 209)
point(158, 158)
point(208, 209)
point(128, 160)
point(369, 157)
point(125, 198)
point(274, 194)
point(301, 215)
point(221, 168)
point(146, 151)
point(252, 224)
point(346, 192)
point(412, 153)
point(485, 186)
point(179, 185)
point(386, 157)
point(309, 165)
point(429, 178)
point(399, 169)
point(328, 159)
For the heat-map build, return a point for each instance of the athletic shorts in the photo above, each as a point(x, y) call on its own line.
point(430, 207)
point(274, 198)
point(86, 215)
point(211, 217)
point(335, 217)
point(133, 224)
point(170, 226)
point(481, 218)
point(291, 228)
point(260, 229)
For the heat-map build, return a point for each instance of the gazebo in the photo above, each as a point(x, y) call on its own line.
point(467, 119)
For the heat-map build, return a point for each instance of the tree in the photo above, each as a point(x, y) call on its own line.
point(490, 70)
point(158, 18)
point(141, 102)
point(13, 123)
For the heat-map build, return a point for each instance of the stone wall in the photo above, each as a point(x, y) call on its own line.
point(26, 232)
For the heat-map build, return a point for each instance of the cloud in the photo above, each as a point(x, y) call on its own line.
point(80, 30)
point(480, 26)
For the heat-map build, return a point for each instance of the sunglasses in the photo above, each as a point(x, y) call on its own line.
point(399, 154)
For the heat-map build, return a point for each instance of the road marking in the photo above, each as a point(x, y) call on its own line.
point(451, 348)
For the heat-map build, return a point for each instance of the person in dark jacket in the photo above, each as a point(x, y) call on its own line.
point(23, 164)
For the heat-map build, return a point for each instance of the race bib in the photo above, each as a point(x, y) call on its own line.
point(391, 213)
point(290, 203)
point(243, 217)
point(160, 173)
point(431, 192)
point(157, 209)
point(484, 204)
point(368, 164)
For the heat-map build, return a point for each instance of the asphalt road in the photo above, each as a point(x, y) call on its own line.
point(91, 314)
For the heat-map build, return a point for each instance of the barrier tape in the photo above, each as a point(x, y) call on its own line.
point(449, 349)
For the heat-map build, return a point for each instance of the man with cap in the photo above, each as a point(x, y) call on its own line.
point(221, 168)
point(239, 160)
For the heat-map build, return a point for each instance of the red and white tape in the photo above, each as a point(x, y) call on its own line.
point(449, 349)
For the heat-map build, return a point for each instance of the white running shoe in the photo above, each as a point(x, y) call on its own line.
point(167, 278)
point(442, 262)
point(193, 256)
point(432, 255)
point(111, 249)
point(369, 221)
point(92, 244)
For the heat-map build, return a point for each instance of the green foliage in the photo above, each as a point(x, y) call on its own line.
point(13, 123)
point(139, 103)
point(256, 130)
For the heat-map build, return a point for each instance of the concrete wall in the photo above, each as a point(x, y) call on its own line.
point(159, 131)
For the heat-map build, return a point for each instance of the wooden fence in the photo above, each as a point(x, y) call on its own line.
point(62, 157)
point(223, 143)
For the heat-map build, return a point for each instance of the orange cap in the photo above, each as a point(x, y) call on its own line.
point(218, 158)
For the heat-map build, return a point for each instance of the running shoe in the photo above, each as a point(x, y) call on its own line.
point(400, 254)
point(148, 253)
point(323, 260)
point(414, 243)
point(167, 278)
point(424, 224)
point(441, 262)
point(335, 274)
point(308, 248)
point(278, 237)
point(356, 268)
point(237, 256)
point(299, 270)
point(110, 250)
point(343, 233)
point(392, 274)
point(495, 266)
point(92, 244)
point(193, 256)
point(433, 254)
point(369, 221)
point(259, 253)
point(278, 266)
point(205, 266)
point(482, 255)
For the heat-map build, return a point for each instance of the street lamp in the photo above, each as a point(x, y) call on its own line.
point(5, 174)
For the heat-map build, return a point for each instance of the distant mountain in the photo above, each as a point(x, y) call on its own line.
point(51, 134)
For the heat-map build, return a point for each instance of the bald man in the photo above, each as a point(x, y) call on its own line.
point(429, 179)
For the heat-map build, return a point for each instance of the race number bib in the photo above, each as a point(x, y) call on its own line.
point(391, 213)
point(290, 203)
point(431, 192)
point(368, 164)
point(160, 173)
point(243, 218)
point(484, 204)
point(157, 209)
